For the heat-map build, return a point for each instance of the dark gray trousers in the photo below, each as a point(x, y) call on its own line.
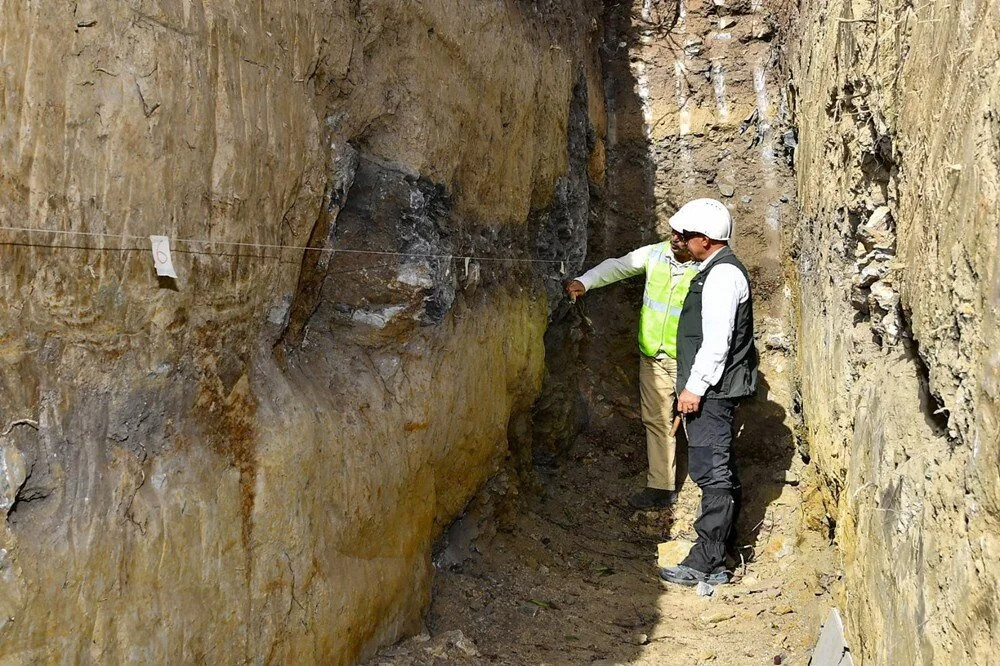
point(711, 466)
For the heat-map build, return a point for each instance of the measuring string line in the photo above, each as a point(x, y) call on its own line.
point(263, 246)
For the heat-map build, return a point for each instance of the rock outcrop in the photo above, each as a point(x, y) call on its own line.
point(898, 111)
point(250, 463)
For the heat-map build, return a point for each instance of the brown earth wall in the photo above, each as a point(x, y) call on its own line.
point(251, 463)
point(896, 256)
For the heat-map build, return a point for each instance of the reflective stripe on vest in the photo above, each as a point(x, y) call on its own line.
point(662, 302)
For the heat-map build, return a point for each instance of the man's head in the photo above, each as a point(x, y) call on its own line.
point(679, 247)
point(702, 226)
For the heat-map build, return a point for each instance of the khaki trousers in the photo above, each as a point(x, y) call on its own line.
point(657, 391)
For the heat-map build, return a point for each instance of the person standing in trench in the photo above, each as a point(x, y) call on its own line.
point(669, 271)
point(716, 369)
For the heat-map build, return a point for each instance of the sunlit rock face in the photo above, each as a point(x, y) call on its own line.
point(896, 257)
point(251, 462)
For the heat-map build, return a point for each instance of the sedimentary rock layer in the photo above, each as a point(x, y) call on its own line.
point(250, 463)
point(898, 167)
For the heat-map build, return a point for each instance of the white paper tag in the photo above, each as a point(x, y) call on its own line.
point(161, 257)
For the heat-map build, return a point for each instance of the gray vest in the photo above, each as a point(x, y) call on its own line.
point(739, 379)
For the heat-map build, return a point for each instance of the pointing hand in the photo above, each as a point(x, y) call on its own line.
point(575, 289)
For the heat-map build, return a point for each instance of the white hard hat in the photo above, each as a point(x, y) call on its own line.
point(704, 216)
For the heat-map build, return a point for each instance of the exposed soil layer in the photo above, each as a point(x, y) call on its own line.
point(896, 257)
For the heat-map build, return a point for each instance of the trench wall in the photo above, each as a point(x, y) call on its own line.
point(895, 252)
point(251, 463)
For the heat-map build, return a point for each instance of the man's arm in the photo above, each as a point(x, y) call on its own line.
point(725, 288)
point(613, 270)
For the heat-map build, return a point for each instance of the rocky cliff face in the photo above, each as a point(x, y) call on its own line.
point(250, 463)
point(897, 107)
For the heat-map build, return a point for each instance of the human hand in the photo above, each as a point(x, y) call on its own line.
point(687, 402)
point(575, 289)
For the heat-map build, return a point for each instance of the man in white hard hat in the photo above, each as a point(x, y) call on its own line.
point(669, 271)
point(716, 369)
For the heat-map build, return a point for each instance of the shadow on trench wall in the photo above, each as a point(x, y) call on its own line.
point(764, 449)
point(618, 218)
point(629, 215)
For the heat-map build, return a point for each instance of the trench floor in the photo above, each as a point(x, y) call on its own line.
point(573, 580)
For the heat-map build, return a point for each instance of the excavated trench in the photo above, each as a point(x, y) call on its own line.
point(696, 107)
point(363, 424)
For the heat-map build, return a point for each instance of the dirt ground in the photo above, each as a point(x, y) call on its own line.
point(575, 580)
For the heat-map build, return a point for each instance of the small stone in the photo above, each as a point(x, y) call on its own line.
point(437, 651)
point(530, 610)
point(872, 272)
point(779, 544)
point(859, 299)
point(878, 230)
point(783, 609)
point(467, 646)
point(727, 22)
point(763, 31)
point(787, 476)
point(639, 639)
point(890, 328)
point(726, 190)
point(13, 472)
point(778, 341)
point(746, 199)
point(879, 219)
point(884, 295)
point(671, 553)
point(704, 589)
point(706, 655)
point(715, 617)
point(693, 47)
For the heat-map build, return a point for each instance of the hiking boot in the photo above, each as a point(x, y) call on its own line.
point(685, 575)
point(718, 578)
point(652, 498)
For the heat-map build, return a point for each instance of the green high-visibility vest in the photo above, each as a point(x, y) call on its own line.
point(662, 302)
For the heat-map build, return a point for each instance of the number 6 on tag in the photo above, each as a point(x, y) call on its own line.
point(161, 257)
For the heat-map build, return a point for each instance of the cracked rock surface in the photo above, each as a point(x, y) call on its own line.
point(896, 256)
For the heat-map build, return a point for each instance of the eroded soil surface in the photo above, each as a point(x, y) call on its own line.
point(575, 580)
